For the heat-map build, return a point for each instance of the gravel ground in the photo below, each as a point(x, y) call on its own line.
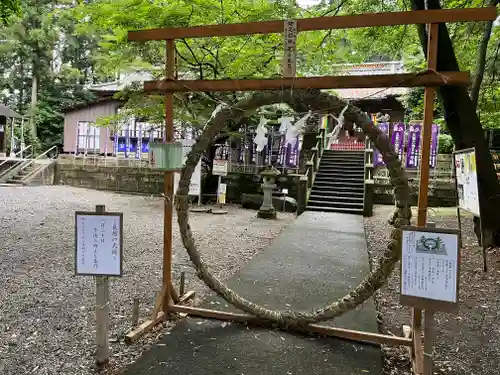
point(467, 343)
point(47, 321)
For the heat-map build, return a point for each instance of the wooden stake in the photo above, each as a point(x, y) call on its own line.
point(429, 342)
point(432, 44)
point(135, 312)
point(182, 283)
point(168, 183)
point(102, 313)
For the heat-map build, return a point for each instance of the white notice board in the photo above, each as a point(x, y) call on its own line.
point(98, 243)
point(220, 168)
point(466, 175)
point(430, 265)
point(195, 183)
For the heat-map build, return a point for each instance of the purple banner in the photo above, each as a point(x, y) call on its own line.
point(413, 146)
point(282, 151)
point(398, 138)
point(377, 156)
point(434, 145)
point(292, 154)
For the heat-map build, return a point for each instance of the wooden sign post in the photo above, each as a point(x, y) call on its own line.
point(220, 168)
point(98, 253)
point(290, 42)
point(430, 269)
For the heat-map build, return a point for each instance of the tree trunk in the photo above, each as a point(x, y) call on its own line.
point(465, 127)
point(34, 101)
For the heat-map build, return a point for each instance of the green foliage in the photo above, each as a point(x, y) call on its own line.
point(445, 144)
point(67, 45)
point(8, 9)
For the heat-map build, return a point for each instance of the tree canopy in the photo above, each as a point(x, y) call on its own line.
point(64, 46)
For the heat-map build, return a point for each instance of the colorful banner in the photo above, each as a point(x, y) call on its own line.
point(434, 145)
point(398, 139)
point(138, 148)
point(282, 148)
point(413, 146)
point(292, 155)
point(377, 155)
point(127, 141)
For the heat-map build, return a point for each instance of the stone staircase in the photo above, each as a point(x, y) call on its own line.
point(339, 183)
point(18, 178)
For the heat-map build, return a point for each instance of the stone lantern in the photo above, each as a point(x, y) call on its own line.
point(267, 210)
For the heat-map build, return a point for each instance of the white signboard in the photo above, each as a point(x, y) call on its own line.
point(466, 175)
point(430, 265)
point(195, 183)
point(289, 61)
point(222, 193)
point(220, 168)
point(98, 243)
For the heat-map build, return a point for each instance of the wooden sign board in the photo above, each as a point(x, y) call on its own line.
point(98, 244)
point(467, 183)
point(290, 43)
point(220, 168)
point(430, 268)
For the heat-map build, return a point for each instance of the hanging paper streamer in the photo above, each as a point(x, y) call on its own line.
point(398, 138)
point(413, 146)
point(138, 147)
point(286, 123)
point(294, 131)
point(434, 145)
point(260, 137)
point(115, 143)
point(377, 155)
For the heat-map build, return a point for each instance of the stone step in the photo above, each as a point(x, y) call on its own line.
point(338, 189)
point(353, 206)
point(342, 164)
point(334, 198)
point(327, 190)
point(341, 173)
point(354, 211)
point(336, 183)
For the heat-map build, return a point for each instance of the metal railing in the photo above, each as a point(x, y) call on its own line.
point(33, 161)
point(17, 163)
point(15, 156)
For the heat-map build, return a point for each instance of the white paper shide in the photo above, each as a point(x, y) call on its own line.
point(98, 245)
point(429, 265)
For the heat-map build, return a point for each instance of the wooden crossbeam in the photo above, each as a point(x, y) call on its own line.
point(428, 78)
point(320, 23)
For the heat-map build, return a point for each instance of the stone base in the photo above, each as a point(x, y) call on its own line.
point(267, 214)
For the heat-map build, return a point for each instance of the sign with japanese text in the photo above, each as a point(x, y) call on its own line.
point(377, 155)
point(289, 61)
point(467, 184)
point(413, 146)
point(398, 138)
point(98, 243)
point(220, 168)
point(430, 262)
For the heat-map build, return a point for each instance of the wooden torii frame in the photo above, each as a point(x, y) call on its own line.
point(432, 18)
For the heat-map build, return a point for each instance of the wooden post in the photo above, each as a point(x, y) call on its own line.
point(182, 283)
point(168, 182)
point(429, 334)
point(432, 44)
point(102, 313)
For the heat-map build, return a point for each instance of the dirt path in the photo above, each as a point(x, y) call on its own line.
point(467, 343)
point(46, 313)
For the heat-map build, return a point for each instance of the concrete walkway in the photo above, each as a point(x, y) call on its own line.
point(316, 259)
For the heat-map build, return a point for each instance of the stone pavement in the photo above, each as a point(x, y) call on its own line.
point(316, 259)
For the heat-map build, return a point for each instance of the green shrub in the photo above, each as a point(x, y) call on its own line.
point(445, 144)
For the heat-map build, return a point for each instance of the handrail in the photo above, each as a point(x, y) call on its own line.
point(15, 165)
point(37, 158)
point(15, 156)
point(35, 171)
